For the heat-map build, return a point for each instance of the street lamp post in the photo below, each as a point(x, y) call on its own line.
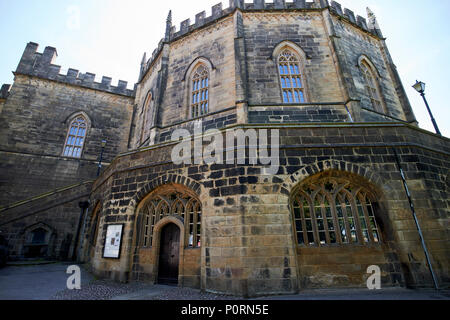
point(420, 88)
point(101, 158)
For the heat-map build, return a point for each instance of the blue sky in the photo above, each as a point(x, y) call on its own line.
point(109, 37)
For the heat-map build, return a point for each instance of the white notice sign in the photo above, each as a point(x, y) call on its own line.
point(113, 241)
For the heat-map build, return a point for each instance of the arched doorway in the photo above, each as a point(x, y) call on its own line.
point(169, 255)
point(38, 241)
point(168, 204)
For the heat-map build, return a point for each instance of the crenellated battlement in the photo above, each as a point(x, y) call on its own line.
point(4, 91)
point(42, 65)
point(217, 12)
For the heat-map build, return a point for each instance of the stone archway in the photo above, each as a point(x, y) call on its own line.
point(341, 225)
point(38, 241)
point(167, 204)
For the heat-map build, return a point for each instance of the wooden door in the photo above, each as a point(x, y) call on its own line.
point(169, 255)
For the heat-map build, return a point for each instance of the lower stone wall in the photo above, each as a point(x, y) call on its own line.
point(345, 267)
point(248, 245)
point(145, 264)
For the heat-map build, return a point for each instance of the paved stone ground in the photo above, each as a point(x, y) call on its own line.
point(48, 282)
point(35, 282)
point(365, 294)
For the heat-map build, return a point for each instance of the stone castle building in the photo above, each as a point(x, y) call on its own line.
point(312, 72)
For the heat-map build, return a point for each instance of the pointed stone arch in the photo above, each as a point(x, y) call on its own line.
point(363, 175)
point(365, 59)
point(293, 180)
point(287, 44)
point(164, 180)
point(173, 191)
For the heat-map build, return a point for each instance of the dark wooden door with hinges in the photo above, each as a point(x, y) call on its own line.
point(169, 255)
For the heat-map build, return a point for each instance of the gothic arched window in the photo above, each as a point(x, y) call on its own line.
point(291, 77)
point(334, 211)
point(174, 203)
point(199, 91)
point(146, 117)
point(371, 85)
point(76, 137)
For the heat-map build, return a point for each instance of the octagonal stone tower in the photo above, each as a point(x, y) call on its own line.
point(321, 80)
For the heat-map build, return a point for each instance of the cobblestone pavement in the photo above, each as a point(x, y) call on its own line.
point(109, 290)
point(48, 282)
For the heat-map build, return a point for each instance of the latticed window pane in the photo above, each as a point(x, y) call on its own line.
point(372, 86)
point(200, 92)
point(336, 216)
point(172, 204)
point(291, 78)
point(343, 227)
point(330, 222)
point(373, 222)
point(298, 209)
point(147, 118)
point(149, 217)
point(198, 219)
point(76, 138)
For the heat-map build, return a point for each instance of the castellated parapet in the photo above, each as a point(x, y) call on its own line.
point(217, 12)
point(41, 65)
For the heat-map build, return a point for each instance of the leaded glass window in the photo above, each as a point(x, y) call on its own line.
point(200, 92)
point(172, 204)
point(76, 138)
point(371, 85)
point(291, 78)
point(334, 211)
point(146, 118)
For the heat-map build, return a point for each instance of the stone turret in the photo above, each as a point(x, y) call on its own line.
point(373, 23)
point(168, 27)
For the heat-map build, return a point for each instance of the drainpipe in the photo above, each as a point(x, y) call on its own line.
point(349, 114)
point(83, 206)
point(419, 229)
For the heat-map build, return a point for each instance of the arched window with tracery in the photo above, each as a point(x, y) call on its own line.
point(334, 211)
point(146, 117)
point(291, 77)
point(172, 203)
point(371, 85)
point(199, 91)
point(76, 137)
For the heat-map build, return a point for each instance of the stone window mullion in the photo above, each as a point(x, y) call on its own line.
point(303, 220)
point(325, 222)
point(199, 97)
point(357, 221)
point(348, 232)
